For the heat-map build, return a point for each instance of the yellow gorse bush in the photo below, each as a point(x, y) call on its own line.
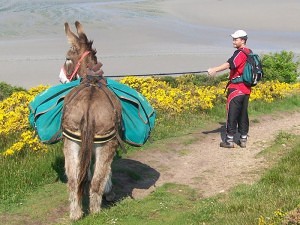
point(172, 100)
point(189, 97)
point(271, 90)
point(186, 97)
point(14, 114)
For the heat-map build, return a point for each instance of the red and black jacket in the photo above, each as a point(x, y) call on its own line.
point(237, 63)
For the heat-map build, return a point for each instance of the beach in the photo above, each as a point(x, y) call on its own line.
point(139, 37)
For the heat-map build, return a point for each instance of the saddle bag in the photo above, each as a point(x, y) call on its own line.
point(138, 116)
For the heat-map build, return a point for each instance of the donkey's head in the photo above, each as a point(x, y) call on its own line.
point(81, 55)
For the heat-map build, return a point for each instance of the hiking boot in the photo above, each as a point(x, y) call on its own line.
point(228, 143)
point(243, 142)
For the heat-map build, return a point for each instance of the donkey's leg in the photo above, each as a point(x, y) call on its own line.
point(103, 158)
point(109, 194)
point(71, 152)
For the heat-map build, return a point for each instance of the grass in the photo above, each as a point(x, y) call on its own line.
point(21, 175)
point(22, 178)
point(41, 206)
point(290, 103)
point(277, 191)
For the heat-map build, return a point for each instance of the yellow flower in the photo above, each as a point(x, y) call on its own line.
point(14, 114)
point(186, 97)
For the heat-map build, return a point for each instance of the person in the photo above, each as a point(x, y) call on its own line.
point(238, 93)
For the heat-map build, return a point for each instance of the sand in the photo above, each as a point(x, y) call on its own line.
point(142, 37)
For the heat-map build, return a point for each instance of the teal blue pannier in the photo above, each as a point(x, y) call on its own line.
point(138, 116)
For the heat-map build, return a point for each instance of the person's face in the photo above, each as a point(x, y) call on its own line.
point(238, 42)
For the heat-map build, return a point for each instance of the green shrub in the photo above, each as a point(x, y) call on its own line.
point(170, 80)
point(6, 90)
point(280, 66)
point(198, 80)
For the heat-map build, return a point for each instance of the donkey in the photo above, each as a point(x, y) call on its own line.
point(91, 124)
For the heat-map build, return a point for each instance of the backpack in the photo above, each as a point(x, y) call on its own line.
point(253, 71)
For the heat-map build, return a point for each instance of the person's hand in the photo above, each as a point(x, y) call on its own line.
point(211, 72)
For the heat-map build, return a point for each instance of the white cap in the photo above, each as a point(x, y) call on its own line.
point(239, 33)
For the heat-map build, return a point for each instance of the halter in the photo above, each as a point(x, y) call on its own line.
point(77, 66)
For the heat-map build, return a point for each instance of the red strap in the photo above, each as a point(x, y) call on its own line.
point(78, 65)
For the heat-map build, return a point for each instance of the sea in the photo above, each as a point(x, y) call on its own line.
point(25, 18)
point(131, 37)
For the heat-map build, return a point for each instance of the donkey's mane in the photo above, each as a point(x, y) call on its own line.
point(90, 47)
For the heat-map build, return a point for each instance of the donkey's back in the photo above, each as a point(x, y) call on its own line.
point(94, 102)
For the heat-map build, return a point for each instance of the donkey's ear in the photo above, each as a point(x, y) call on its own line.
point(72, 38)
point(82, 36)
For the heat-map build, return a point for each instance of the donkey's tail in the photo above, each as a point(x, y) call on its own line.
point(87, 133)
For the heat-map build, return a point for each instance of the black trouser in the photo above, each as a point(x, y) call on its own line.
point(237, 112)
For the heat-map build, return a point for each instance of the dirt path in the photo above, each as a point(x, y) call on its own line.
point(197, 160)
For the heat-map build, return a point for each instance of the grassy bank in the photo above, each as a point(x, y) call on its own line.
point(265, 202)
point(25, 178)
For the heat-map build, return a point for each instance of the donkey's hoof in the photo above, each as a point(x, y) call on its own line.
point(95, 209)
point(110, 197)
point(76, 215)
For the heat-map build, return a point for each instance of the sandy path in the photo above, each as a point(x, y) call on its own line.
point(203, 164)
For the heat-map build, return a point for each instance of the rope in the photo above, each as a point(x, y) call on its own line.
point(159, 74)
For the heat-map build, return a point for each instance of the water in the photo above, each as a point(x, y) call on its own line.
point(25, 19)
point(42, 17)
point(131, 36)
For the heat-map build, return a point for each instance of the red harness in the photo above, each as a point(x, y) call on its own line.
point(70, 77)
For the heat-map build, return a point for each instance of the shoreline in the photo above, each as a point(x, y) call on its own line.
point(267, 15)
point(149, 37)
